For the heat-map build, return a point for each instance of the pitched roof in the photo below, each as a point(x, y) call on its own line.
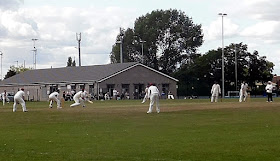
point(81, 74)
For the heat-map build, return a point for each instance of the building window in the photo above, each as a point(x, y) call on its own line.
point(73, 87)
point(53, 88)
point(110, 88)
point(125, 91)
point(82, 86)
point(165, 90)
point(91, 89)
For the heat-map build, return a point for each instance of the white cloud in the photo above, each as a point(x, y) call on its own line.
point(214, 30)
point(263, 29)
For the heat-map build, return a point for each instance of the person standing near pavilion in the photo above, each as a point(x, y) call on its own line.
point(19, 99)
point(153, 94)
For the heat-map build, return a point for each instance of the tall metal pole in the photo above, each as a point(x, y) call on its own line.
point(223, 57)
point(1, 63)
point(79, 38)
point(121, 41)
point(235, 55)
point(35, 52)
point(142, 45)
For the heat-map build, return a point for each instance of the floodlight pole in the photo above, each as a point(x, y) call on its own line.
point(121, 42)
point(1, 53)
point(17, 63)
point(35, 52)
point(223, 56)
point(142, 45)
point(79, 38)
point(235, 55)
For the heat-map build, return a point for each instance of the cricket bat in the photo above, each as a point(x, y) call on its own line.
point(90, 101)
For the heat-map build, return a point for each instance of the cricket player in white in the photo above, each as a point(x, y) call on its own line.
point(243, 92)
point(153, 94)
point(215, 91)
point(146, 95)
point(5, 97)
point(54, 97)
point(19, 99)
point(79, 98)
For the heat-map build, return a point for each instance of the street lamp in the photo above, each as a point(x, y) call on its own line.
point(35, 52)
point(17, 63)
point(79, 38)
point(142, 45)
point(223, 59)
point(1, 53)
point(121, 42)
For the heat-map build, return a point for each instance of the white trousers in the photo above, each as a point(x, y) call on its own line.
point(243, 96)
point(214, 98)
point(56, 100)
point(145, 98)
point(20, 101)
point(78, 101)
point(154, 98)
point(170, 96)
point(5, 100)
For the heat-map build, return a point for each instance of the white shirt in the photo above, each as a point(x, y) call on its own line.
point(19, 94)
point(4, 95)
point(54, 94)
point(80, 94)
point(244, 87)
point(216, 90)
point(115, 92)
point(152, 90)
point(269, 88)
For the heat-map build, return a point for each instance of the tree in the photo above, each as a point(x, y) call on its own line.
point(71, 63)
point(15, 70)
point(169, 39)
point(207, 69)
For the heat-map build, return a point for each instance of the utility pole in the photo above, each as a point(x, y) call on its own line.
point(142, 45)
point(17, 63)
point(121, 42)
point(223, 57)
point(35, 52)
point(1, 53)
point(79, 38)
point(235, 55)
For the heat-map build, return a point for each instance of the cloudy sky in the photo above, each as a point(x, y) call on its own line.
point(55, 24)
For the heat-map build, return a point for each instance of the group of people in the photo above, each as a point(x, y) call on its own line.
point(216, 91)
point(151, 92)
point(78, 98)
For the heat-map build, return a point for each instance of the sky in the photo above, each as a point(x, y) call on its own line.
point(55, 24)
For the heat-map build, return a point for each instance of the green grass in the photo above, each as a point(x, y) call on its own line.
point(189, 130)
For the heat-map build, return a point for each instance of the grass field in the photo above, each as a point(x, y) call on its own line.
point(189, 130)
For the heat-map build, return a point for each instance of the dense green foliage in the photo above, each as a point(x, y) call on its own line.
point(70, 62)
point(121, 130)
point(15, 70)
point(197, 77)
point(170, 38)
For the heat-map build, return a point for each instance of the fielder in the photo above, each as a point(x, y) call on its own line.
point(153, 94)
point(79, 98)
point(54, 97)
point(243, 92)
point(146, 94)
point(5, 97)
point(215, 91)
point(19, 99)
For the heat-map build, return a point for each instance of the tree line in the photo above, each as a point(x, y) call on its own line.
point(169, 40)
